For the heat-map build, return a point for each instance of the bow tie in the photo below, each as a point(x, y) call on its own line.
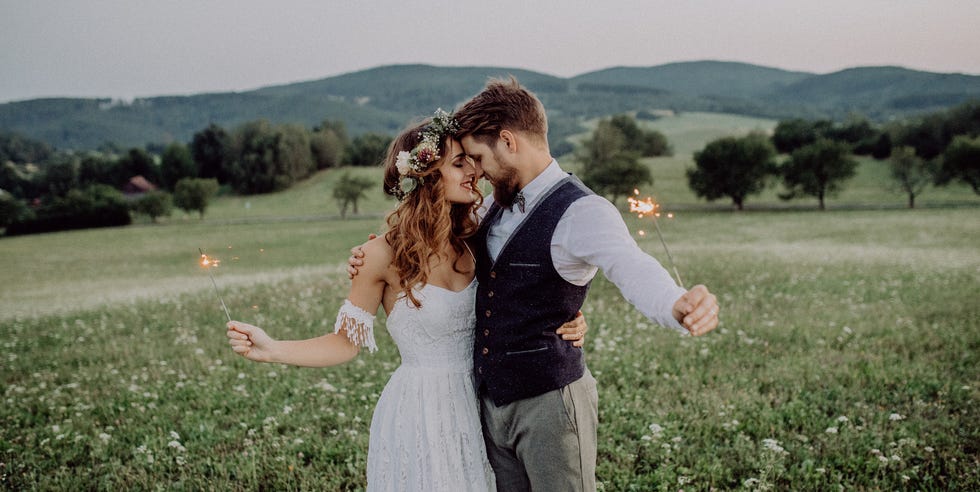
point(519, 201)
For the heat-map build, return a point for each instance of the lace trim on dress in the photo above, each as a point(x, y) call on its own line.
point(358, 324)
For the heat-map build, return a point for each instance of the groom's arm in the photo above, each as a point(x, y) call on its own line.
point(592, 235)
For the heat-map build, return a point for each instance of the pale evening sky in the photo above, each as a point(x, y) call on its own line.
point(135, 48)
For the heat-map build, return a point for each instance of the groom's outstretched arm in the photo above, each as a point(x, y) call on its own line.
point(592, 234)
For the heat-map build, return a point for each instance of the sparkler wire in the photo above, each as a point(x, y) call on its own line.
point(215, 284)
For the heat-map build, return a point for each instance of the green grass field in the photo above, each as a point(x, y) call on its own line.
point(846, 357)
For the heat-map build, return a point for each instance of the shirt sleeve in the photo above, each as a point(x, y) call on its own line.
point(358, 324)
point(592, 235)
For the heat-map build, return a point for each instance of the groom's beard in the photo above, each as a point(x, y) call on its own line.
point(505, 187)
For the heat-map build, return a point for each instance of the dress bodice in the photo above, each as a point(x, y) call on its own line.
point(439, 334)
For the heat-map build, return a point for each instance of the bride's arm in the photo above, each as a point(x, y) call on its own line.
point(354, 327)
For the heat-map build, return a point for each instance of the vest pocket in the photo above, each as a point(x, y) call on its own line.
point(525, 352)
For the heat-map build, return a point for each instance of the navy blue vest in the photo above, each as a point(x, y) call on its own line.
point(520, 302)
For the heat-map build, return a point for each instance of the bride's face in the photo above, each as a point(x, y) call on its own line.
point(459, 175)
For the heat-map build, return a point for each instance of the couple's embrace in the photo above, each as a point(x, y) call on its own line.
point(480, 297)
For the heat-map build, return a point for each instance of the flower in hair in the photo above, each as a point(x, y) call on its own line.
point(425, 153)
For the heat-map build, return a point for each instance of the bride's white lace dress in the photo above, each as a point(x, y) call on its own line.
point(425, 433)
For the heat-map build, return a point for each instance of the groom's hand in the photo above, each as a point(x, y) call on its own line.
point(697, 310)
point(354, 261)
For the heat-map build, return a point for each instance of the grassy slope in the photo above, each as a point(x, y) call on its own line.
point(848, 338)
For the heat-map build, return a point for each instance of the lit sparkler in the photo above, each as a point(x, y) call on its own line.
point(649, 207)
point(208, 262)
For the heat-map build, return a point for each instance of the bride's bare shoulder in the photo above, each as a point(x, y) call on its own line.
point(378, 254)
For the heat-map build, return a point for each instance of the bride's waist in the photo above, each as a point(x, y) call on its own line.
point(435, 364)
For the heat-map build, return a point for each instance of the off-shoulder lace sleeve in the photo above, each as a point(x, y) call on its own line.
point(358, 324)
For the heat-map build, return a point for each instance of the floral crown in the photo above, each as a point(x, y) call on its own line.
point(425, 153)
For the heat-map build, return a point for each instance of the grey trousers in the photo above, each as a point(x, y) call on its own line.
point(546, 442)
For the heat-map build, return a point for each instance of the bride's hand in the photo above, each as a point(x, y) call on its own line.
point(574, 330)
point(250, 341)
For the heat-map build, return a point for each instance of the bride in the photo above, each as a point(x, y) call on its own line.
point(425, 433)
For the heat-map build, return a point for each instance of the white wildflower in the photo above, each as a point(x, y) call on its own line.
point(773, 445)
point(842, 419)
point(896, 416)
point(831, 430)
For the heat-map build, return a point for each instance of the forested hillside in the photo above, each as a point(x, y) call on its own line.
point(384, 99)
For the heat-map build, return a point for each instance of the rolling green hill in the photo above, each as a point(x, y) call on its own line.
point(384, 99)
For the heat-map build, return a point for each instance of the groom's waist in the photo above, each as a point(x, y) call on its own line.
point(526, 367)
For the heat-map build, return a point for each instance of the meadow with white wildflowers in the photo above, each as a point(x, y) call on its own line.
point(846, 358)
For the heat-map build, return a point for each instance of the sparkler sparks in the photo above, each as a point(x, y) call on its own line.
point(208, 262)
point(648, 207)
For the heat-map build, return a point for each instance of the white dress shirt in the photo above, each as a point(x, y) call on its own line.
point(589, 236)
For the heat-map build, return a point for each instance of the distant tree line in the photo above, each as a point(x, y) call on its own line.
point(934, 149)
point(42, 189)
point(45, 190)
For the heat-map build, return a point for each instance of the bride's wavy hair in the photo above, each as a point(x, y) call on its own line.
point(424, 220)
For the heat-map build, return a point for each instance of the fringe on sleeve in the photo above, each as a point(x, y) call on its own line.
point(358, 324)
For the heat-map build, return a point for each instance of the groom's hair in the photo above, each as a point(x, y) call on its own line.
point(503, 105)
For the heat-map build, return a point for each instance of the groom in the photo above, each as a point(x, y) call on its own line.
point(543, 238)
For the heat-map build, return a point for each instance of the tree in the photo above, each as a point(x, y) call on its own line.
point(790, 135)
point(618, 176)
point(608, 167)
point(176, 164)
point(154, 204)
point(137, 162)
point(98, 169)
point(349, 190)
point(732, 167)
point(95, 206)
point(646, 143)
point(264, 158)
point(60, 175)
point(961, 162)
point(194, 194)
point(210, 148)
point(327, 148)
point(367, 149)
point(817, 170)
point(911, 172)
point(11, 209)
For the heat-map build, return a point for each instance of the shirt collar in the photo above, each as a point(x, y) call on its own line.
point(543, 182)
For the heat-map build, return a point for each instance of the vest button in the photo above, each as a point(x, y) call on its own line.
point(493, 274)
point(490, 294)
point(479, 370)
point(487, 313)
point(486, 351)
point(486, 333)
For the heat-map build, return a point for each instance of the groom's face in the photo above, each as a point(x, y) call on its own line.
point(492, 162)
